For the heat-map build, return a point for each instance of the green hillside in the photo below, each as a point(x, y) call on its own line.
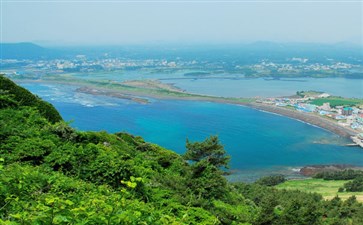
point(13, 95)
point(51, 173)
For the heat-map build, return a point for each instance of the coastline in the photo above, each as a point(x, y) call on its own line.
point(138, 94)
point(310, 118)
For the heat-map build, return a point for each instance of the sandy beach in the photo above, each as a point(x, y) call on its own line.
point(310, 118)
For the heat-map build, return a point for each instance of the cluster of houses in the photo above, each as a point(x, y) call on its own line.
point(298, 65)
point(345, 116)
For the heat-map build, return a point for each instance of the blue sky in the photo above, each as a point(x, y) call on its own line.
point(142, 22)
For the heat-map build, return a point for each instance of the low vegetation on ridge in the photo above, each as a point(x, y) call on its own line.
point(51, 173)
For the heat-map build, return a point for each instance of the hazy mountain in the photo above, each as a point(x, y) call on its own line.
point(26, 51)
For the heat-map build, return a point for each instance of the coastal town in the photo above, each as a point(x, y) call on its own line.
point(295, 66)
point(347, 113)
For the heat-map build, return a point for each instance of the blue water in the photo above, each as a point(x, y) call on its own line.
point(259, 143)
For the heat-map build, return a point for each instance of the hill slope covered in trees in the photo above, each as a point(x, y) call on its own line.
point(51, 173)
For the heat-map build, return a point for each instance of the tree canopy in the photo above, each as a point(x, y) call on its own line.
point(210, 151)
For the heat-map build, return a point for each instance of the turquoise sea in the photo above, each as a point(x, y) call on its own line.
point(260, 143)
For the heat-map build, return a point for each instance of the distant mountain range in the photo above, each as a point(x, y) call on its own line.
point(248, 53)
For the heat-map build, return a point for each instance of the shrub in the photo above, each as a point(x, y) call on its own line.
point(271, 180)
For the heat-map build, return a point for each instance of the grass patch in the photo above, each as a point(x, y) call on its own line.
point(327, 188)
point(337, 101)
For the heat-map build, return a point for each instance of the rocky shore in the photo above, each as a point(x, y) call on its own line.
point(314, 169)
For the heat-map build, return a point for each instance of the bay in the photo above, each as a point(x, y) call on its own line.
point(259, 143)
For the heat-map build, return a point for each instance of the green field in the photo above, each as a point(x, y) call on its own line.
point(327, 188)
point(337, 101)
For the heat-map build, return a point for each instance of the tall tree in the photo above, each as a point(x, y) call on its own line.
point(210, 151)
point(208, 159)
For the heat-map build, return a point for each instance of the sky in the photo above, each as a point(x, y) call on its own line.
point(80, 22)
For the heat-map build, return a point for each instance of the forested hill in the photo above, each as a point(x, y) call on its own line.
point(51, 173)
point(13, 95)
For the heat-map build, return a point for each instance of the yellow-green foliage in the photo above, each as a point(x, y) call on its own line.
point(34, 195)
